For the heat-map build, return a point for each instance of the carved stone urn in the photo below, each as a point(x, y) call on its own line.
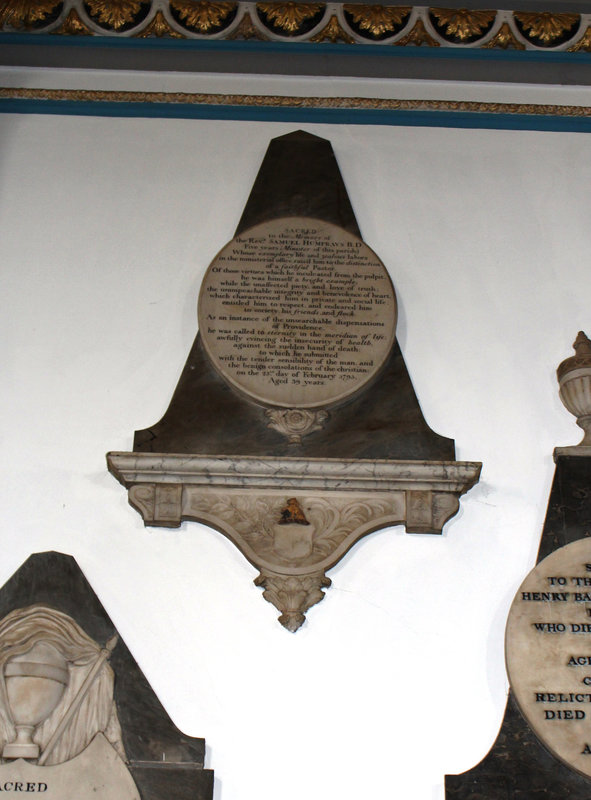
point(574, 379)
point(35, 682)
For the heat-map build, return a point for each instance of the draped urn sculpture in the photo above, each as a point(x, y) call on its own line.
point(35, 682)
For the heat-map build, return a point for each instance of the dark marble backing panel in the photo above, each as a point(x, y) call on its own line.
point(299, 177)
point(207, 416)
point(569, 509)
point(518, 767)
point(55, 580)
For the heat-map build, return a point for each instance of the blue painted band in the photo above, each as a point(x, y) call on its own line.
point(431, 119)
point(297, 48)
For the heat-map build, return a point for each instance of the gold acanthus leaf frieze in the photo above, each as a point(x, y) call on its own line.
point(159, 28)
point(505, 38)
point(73, 25)
point(377, 20)
point(247, 30)
point(333, 32)
point(25, 13)
point(418, 36)
point(290, 16)
point(203, 16)
point(584, 43)
point(546, 27)
point(463, 23)
point(114, 13)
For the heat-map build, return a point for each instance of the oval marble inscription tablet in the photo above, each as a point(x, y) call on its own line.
point(297, 312)
point(548, 651)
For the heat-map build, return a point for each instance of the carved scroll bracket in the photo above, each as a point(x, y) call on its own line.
point(293, 518)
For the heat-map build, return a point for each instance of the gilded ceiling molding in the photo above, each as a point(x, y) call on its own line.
point(463, 24)
point(377, 21)
point(333, 32)
point(584, 43)
point(246, 29)
point(19, 14)
point(114, 14)
point(418, 36)
point(286, 101)
point(159, 27)
point(505, 39)
point(547, 28)
point(313, 23)
point(203, 17)
point(289, 17)
point(73, 25)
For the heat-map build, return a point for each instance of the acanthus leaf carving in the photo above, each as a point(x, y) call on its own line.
point(546, 27)
point(300, 547)
point(377, 20)
point(462, 23)
point(26, 13)
point(293, 595)
point(201, 16)
point(331, 520)
point(289, 16)
point(73, 25)
point(505, 39)
point(333, 32)
point(159, 28)
point(417, 36)
point(114, 14)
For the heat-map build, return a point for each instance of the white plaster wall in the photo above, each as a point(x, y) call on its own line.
point(106, 228)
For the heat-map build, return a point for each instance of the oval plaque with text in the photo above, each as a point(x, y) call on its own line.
point(297, 312)
point(548, 651)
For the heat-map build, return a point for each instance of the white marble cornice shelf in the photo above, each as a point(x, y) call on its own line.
point(280, 473)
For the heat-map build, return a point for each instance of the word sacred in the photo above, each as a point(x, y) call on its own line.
point(21, 786)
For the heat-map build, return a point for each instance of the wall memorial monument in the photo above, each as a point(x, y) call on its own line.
point(294, 428)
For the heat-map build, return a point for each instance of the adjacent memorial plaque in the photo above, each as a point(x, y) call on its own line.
point(297, 312)
point(548, 648)
point(59, 729)
point(543, 749)
point(78, 720)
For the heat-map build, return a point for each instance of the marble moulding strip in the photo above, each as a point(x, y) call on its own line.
point(281, 473)
point(293, 518)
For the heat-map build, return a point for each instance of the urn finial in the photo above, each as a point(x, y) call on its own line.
point(574, 379)
point(582, 345)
